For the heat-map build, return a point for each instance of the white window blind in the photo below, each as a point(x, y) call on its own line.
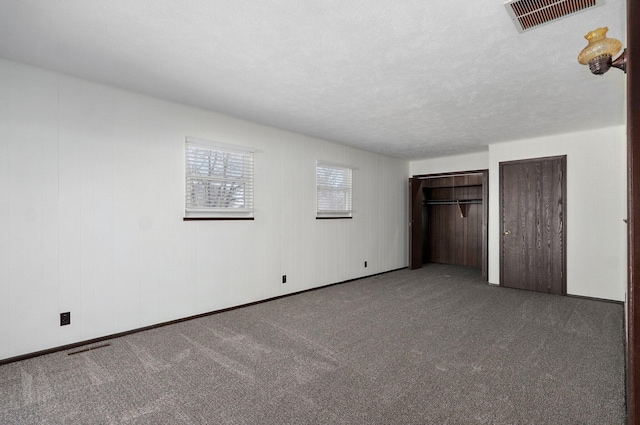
point(334, 190)
point(219, 179)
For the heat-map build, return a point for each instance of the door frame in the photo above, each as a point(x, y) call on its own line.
point(416, 200)
point(563, 159)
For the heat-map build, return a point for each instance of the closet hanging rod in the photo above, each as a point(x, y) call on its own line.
point(455, 202)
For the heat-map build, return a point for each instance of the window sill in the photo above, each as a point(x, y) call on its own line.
point(333, 218)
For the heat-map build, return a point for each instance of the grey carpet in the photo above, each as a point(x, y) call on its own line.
point(431, 346)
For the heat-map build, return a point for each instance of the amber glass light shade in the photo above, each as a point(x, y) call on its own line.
point(599, 46)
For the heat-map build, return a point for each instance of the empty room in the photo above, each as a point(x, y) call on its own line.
point(356, 212)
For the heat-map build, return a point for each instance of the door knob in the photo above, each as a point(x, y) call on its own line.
point(507, 232)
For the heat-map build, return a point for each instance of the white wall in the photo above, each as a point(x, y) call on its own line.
point(596, 207)
point(596, 203)
point(446, 164)
point(91, 208)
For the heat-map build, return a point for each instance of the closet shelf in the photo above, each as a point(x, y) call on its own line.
point(454, 186)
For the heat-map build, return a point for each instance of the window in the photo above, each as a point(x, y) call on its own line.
point(334, 191)
point(219, 180)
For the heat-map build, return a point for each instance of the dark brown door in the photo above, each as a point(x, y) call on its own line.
point(532, 215)
point(415, 223)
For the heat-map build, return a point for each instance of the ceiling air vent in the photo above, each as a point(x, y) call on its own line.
point(529, 14)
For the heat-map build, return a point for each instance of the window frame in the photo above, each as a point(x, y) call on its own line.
point(241, 155)
point(324, 213)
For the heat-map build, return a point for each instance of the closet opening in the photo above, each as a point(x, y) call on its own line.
point(448, 219)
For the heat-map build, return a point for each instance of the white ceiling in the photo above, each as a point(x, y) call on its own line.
point(410, 79)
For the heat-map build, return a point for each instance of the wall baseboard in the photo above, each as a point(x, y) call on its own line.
point(497, 285)
point(596, 299)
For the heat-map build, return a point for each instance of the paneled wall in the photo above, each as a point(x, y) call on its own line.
point(91, 208)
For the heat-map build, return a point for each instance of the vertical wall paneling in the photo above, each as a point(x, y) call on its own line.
point(101, 138)
point(306, 254)
point(224, 276)
point(385, 215)
point(85, 306)
point(393, 197)
point(149, 176)
point(92, 201)
point(94, 121)
point(272, 185)
point(240, 259)
point(71, 134)
point(324, 236)
point(50, 230)
point(294, 218)
point(196, 234)
point(365, 186)
point(174, 233)
point(25, 217)
point(127, 160)
point(158, 302)
point(369, 189)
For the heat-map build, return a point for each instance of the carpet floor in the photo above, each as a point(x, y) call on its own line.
point(429, 346)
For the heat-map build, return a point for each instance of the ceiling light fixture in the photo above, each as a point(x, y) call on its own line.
point(599, 52)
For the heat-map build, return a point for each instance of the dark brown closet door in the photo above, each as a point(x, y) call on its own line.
point(532, 215)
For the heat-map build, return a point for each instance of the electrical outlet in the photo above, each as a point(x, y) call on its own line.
point(365, 264)
point(284, 278)
point(65, 318)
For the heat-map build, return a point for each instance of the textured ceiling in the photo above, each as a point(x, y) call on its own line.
point(410, 79)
